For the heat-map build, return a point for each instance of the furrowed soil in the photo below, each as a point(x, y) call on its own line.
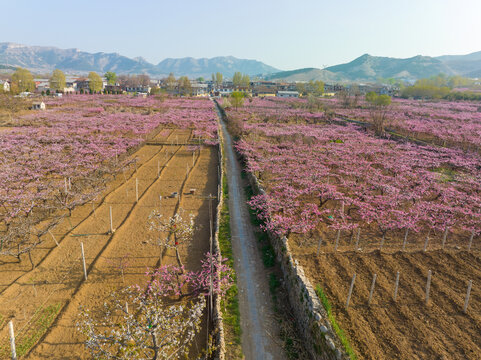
point(58, 278)
point(406, 328)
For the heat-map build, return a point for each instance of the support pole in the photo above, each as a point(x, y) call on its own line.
point(83, 260)
point(319, 245)
point(466, 301)
point(357, 238)
point(428, 286)
point(373, 284)
point(396, 286)
point(445, 235)
point(405, 239)
point(337, 239)
point(471, 240)
point(350, 290)
point(12, 340)
point(136, 190)
point(426, 243)
point(111, 221)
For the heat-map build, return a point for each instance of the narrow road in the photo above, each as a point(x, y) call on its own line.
point(258, 324)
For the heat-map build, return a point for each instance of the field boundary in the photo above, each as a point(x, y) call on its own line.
point(218, 320)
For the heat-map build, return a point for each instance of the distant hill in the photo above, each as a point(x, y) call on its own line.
point(371, 68)
point(368, 68)
point(307, 74)
point(467, 65)
point(45, 59)
point(227, 65)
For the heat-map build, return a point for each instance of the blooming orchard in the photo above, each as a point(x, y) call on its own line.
point(345, 177)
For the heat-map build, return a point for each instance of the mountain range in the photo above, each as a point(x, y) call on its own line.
point(44, 59)
point(371, 68)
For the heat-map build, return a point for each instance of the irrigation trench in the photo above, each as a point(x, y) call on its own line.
point(259, 327)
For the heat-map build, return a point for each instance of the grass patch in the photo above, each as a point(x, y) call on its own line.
point(268, 256)
point(335, 325)
point(39, 325)
point(230, 303)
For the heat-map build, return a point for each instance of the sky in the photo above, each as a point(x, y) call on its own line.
point(284, 34)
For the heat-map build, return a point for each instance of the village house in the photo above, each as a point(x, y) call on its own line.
point(38, 105)
point(199, 89)
point(4, 85)
point(288, 94)
point(82, 84)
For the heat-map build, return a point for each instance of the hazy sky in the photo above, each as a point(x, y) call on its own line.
point(285, 34)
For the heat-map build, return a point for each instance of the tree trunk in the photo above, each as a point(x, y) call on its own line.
point(178, 258)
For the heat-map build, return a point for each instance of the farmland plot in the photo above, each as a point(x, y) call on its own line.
point(351, 203)
point(112, 225)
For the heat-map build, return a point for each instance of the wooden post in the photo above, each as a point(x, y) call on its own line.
point(193, 158)
point(428, 286)
point(53, 237)
point(382, 242)
point(136, 190)
point(373, 284)
point(466, 301)
point(405, 239)
point(187, 169)
point(69, 184)
point(471, 240)
point(357, 238)
point(396, 286)
point(65, 184)
point(12, 340)
point(83, 260)
point(160, 202)
point(111, 221)
point(337, 239)
point(319, 245)
point(350, 290)
point(445, 235)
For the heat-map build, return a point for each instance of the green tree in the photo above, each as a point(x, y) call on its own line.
point(23, 80)
point(237, 99)
point(245, 81)
point(219, 78)
point(185, 86)
point(301, 88)
point(111, 77)
point(171, 82)
point(237, 79)
point(57, 80)
point(95, 82)
point(201, 79)
point(379, 106)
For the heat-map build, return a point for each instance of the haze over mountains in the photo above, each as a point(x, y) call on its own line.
point(44, 59)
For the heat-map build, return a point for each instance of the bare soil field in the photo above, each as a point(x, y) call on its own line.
point(407, 328)
point(56, 287)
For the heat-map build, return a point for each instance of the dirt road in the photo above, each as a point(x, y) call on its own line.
point(259, 328)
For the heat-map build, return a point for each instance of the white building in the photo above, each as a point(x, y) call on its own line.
point(288, 94)
point(4, 85)
point(38, 105)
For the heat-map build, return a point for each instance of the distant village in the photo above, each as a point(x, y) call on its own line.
point(142, 85)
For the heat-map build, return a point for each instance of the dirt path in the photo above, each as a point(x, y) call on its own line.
point(259, 328)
